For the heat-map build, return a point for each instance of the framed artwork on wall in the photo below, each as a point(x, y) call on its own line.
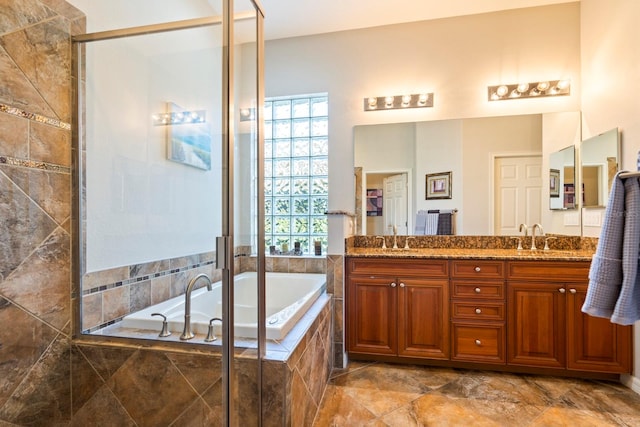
point(554, 183)
point(438, 186)
point(374, 202)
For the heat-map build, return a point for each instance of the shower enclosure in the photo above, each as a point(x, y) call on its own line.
point(168, 181)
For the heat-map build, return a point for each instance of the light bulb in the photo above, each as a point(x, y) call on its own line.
point(373, 102)
point(423, 98)
point(563, 84)
point(406, 100)
point(523, 87)
point(388, 101)
point(502, 90)
point(542, 86)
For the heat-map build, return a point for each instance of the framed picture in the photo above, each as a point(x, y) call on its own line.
point(374, 202)
point(438, 185)
point(554, 183)
point(188, 143)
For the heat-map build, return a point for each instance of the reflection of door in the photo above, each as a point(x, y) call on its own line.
point(518, 193)
point(394, 203)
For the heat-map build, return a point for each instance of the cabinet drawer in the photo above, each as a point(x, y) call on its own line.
point(480, 290)
point(482, 310)
point(478, 343)
point(477, 269)
point(398, 266)
point(553, 271)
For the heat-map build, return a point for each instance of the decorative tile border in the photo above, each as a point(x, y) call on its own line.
point(35, 117)
point(33, 164)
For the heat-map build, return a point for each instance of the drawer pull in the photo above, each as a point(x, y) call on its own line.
point(401, 285)
point(478, 311)
point(562, 290)
point(478, 342)
point(393, 284)
point(573, 291)
point(477, 269)
point(478, 290)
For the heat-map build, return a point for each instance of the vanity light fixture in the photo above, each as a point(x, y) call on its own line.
point(530, 90)
point(179, 118)
point(421, 100)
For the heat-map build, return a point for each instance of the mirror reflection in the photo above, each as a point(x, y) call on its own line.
point(490, 164)
point(562, 179)
point(599, 160)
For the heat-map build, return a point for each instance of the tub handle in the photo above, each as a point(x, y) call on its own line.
point(210, 336)
point(165, 326)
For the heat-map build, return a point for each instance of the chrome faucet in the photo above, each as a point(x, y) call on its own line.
point(186, 333)
point(533, 235)
point(526, 229)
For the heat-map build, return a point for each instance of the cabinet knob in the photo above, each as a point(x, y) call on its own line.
point(478, 290)
point(562, 290)
point(478, 342)
point(477, 269)
point(478, 311)
point(401, 285)
point(393, 284)
point(573, 291)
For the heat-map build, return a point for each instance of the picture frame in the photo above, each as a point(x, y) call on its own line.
point(188, 143)
point(374, 202)
point(554, 183)
point(438, 185)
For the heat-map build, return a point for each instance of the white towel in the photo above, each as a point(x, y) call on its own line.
point(432, 223)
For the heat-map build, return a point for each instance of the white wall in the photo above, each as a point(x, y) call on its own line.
point(140, 206)
point(455, 58)
point(610, 70)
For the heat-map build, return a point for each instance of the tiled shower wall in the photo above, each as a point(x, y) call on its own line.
point(35, 208)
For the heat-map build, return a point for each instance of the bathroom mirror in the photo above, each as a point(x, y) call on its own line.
point(599, 162)
point(468, 148)
point(562, 179)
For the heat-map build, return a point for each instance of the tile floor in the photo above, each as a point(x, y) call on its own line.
point(378, 394)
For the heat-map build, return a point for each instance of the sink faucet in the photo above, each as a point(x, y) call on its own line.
point(395, 237)
point(526, 229)
point(186, 333)
point(533, 235)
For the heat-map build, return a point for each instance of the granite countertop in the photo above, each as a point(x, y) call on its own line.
point(468, 253)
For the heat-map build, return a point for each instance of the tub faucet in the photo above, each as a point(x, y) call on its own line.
point(186, 333)
point(533, 235)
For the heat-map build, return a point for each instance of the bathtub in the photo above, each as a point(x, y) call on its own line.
point(288, 297)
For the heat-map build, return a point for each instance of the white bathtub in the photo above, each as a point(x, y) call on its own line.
point(288, 297)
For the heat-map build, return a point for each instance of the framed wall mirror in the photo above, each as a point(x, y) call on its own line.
point(563, 179)
point(599, 162)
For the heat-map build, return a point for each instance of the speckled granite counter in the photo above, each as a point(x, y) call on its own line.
point(563, 248)
point(468, 253)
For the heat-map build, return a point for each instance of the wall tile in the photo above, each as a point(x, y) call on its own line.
point(139, 296)
point(43, 53)
point(150, 373)
point(115, 303)
point(160, 289)
point(49, 144)
point(17, 14)
point(23, 227)
point(41, 283)
point(45, 393)
point(106, 360)
point(202, 371)
point(14, 136)
point(102, 409)
point(92, 311)
point(21, 346)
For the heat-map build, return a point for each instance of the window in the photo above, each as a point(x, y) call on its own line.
point(296, 150)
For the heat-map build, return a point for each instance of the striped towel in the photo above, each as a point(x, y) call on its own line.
point(432, 222)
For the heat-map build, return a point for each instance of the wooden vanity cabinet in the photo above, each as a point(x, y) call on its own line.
point(547, 328)
point(397, 307)
point(478, 311)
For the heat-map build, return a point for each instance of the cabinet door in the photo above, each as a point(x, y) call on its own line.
point(423, 318)
point(594, 343)
point(536, 324)
point(372, 319)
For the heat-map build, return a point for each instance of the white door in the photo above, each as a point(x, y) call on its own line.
point(518, 193)
point(394, 204)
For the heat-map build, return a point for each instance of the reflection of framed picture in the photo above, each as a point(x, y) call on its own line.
point(554, 183)
point(438, 185)
point(374, 202)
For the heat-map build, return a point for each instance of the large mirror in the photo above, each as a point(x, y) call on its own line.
point(486, 164)
point(599, 160)
point(562, 179)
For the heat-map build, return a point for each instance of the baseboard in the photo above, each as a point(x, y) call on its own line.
point(632, 382)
